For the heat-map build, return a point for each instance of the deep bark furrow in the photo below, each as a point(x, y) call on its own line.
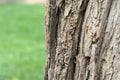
point(82, 12)
point(69, 41)
point(51, 38)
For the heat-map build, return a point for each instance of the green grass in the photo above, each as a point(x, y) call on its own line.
point(22, 42)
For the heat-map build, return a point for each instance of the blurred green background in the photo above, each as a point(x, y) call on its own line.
point(22, 42)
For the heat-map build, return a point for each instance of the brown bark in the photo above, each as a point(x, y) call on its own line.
point(83, 40)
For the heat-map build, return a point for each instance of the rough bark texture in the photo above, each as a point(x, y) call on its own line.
point(83, 40)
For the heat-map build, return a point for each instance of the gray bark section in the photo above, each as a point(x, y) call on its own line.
point(83, 40)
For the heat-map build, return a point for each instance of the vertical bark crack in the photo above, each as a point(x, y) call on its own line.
point(82, 12)
point(52, 24)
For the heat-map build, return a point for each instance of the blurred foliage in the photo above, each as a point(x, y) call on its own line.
point(22, 42)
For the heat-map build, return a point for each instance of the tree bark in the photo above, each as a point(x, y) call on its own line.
point(83, 40)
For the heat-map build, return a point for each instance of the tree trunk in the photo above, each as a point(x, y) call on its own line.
point(83, 40)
